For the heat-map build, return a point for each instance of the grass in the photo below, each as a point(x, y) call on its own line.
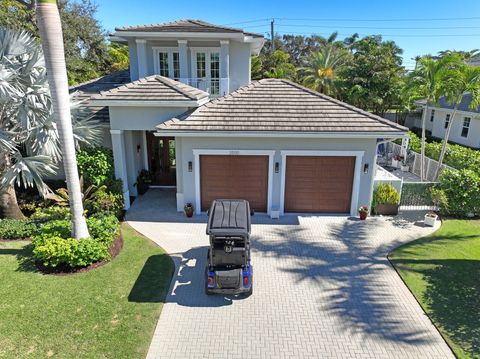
point(109, 312)
point(443, 272)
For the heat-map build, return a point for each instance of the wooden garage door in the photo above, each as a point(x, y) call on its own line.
point(319, 184)
point(234, 177)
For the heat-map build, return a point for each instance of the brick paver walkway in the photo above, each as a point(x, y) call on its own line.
point(323, 288)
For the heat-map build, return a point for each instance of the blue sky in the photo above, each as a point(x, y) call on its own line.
point(450, 25)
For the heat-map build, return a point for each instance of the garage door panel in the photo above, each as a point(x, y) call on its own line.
point(319, 184)
point(244, 177)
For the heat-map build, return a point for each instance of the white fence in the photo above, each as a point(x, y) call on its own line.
point(414, 161)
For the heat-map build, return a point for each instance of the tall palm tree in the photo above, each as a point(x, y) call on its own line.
point(49, 24)
point(428, 83)
point(29, 146)
point(462, 79)
point(321, 69)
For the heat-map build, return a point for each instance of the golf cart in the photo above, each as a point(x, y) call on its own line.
point(228, 269)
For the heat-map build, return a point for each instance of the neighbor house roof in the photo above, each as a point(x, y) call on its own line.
point(186, 25)
point(84, 92)
point(444, 103)
point(276, 105)
point(152, 90)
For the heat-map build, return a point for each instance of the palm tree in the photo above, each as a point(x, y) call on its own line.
point(50, 27)
point(428, 83)
point(29, 146)
point(321, 69)
point(462, 79)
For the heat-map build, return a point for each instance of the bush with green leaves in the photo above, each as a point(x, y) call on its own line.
point(459, 193)
point(95, 164)
point(104, 201)
point(17, 228)
point(385, 193)
point(53, 246)
point(50, 214)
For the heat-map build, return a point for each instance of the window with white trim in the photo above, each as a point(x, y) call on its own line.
point(447, 120)
point(167, 62)
point(432, 115)
point(206, 69)
point(465, 127)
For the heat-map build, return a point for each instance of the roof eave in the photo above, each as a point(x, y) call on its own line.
point(178, 35)
point(143, 103)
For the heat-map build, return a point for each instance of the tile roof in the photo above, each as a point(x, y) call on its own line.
point(84, 92)
point(152, 88)
point(186, 25)
point(276, 105)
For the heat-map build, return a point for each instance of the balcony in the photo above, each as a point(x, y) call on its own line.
point(214, 87)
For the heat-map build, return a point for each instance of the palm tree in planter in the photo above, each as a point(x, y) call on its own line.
point(50, 26)
point(461, 79)
point(29, 142)
point(428, 83)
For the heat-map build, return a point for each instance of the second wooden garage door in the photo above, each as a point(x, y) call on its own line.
point(319, 184)
point(234, 177)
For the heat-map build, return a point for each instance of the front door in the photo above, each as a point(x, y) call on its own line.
point(161, 160)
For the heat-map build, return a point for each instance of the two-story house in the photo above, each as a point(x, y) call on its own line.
point(191, 116)
point(466, 124)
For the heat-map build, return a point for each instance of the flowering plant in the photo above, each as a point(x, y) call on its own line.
point(363, 209)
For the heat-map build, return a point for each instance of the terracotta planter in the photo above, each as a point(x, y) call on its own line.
point(387, 209)
point(363, 216)
point(189, 214)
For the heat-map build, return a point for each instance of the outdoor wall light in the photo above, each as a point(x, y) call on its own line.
point(138, 148)
point(190, 166)
point(277, 167)
point(365, 168)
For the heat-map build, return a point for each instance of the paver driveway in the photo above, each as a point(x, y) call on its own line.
point(323, 287)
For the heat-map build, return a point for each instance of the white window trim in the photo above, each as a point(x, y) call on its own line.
point(356, 174)
point(199, 152)
point(207, 51)
point(467, 127)
point(156, 60)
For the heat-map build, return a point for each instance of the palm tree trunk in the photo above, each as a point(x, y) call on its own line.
point(8, 204)
point(445, 140)
point(422, 151)
point(49, 24)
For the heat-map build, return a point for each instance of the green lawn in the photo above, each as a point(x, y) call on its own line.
point(109, 312)
point(443, 272)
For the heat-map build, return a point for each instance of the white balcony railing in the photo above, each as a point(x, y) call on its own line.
point(214, 87)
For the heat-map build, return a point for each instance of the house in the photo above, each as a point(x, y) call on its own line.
point(466, 124)
point(192, 117)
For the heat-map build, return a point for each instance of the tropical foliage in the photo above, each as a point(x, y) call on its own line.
point(29, 141)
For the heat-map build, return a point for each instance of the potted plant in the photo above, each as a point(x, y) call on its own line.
point(386, 199)
point(430, 219)
point(396, 161)
point(143, 181)
point(404, 167)
point(188, 209)
point(363, 212)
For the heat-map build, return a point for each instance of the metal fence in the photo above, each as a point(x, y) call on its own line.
point(414, 161)
point(416, 196)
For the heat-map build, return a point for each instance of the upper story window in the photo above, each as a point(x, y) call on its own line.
point(465, 127)
point(432, 115)
point(206, 69)
point(447, 120)
point(167, 62)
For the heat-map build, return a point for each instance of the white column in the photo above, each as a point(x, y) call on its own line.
point(120, 162)
point(183, 58)
point(224, 67)
point(142, 58)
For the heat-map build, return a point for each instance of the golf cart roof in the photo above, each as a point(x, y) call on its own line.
point(229, 217)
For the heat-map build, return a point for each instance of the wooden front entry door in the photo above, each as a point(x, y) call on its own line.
point(161, 160)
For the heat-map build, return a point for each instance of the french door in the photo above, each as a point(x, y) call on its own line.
point(206, 70)
point(161, 160)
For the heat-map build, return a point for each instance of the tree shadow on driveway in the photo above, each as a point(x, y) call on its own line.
point(350, 270)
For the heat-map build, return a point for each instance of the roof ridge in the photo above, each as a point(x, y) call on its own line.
point(168, 82)
point(343, 104)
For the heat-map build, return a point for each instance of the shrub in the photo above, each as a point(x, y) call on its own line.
point(56, 251)
point(53, 245)
point(50, 214)
point(95, 164)
point(460, 191)
point(104, 201)
point(17, 228)
point(385, 193)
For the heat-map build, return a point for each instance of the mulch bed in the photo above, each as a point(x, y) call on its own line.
point(114, 250)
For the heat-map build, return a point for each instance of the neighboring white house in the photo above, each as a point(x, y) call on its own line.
point(466, 124)
point(273, 142)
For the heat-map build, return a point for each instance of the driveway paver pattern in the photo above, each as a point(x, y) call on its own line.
point(323, 287)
